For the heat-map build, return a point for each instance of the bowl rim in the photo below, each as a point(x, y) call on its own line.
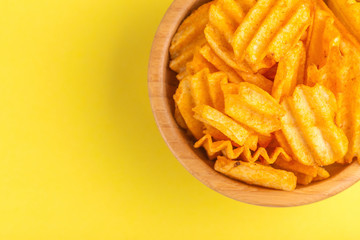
point(181, 145)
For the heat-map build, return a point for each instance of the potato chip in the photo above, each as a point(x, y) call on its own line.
point(184, 102)
point(348, 12)
point(339, 71)
point(205, 89)
point(295, 166)
point(235, 76)
point(253, 107)
point(262, 39)
point(223, 123)
point(290, 72)
point(242, 152)
point(188, 38)
point(200, 88)
point(256, 174)
point(309, 126)
point(264, 141)
point(216, 134)
point(196, 65)
point(303, 179)
point(217, 147)
point(224, 18)
point(210, 56)
point(322, 173)
point(178, 118)
point(216, 94)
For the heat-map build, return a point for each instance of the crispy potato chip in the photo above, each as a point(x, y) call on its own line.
point(252, 107)
point(243, 152)
point(256, 174)
point(235, 76)
point(262, 39)
point(339, 71)
point(303, 179)
point(224, 18)
point(223, 123)
point(217, 147)
point(216, 134)
point(309, 126)
point(188, 38)
point(316, 52)
point(293, 31)
point(322, 173)
point(258, 80)
point(210, 56)
point(200, 88)
point(205, 89)
point(264, 141)
point(216, 94)
point(179, 119)
point(295, 166)
point(184, 102)
point(348, 12)
point(290, 72)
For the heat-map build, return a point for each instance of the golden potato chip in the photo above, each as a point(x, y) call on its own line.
point(235, 76)
point(205, 89)
point(258, 80)
point(339, 71)
point(316, 53)
point(216, 134)
point(223, 123)
point(290, 72)
point(295, 166)
point(216, 94)
point(196, 65)
point(256, 174)
point(178, 118)
point(217, 147)
point(242, 152)
point(303, 179)
point(264, 141)
point(253, 107)
point(322, 173)
point(188, 38)
point(184, 102)
point(262, 39)
point(210, 56)
point(224, 18)
point(200, 88)
point(309, 126)
point(292, 32)
point(348, 12)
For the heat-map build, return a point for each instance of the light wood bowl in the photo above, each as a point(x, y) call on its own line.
point(162, 85)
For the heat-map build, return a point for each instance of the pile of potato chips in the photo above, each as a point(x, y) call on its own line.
point(269, 88)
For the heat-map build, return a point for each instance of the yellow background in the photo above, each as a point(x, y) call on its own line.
point(80, 154)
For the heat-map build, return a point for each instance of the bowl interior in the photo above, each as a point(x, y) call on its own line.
point(162, 85)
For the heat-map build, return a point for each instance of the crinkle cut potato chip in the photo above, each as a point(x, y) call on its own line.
point(348, 12)
point(290, 72)
point(223, 123)
point(270, 89)
point(253, 107)
point(309, 126)
point(262, 39)
point(188, 38)
point(339, 71)
point(185, 103)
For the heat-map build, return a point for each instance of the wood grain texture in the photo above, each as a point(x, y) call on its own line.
point(162, 84)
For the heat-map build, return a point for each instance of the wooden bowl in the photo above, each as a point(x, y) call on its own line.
point(162, 85)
